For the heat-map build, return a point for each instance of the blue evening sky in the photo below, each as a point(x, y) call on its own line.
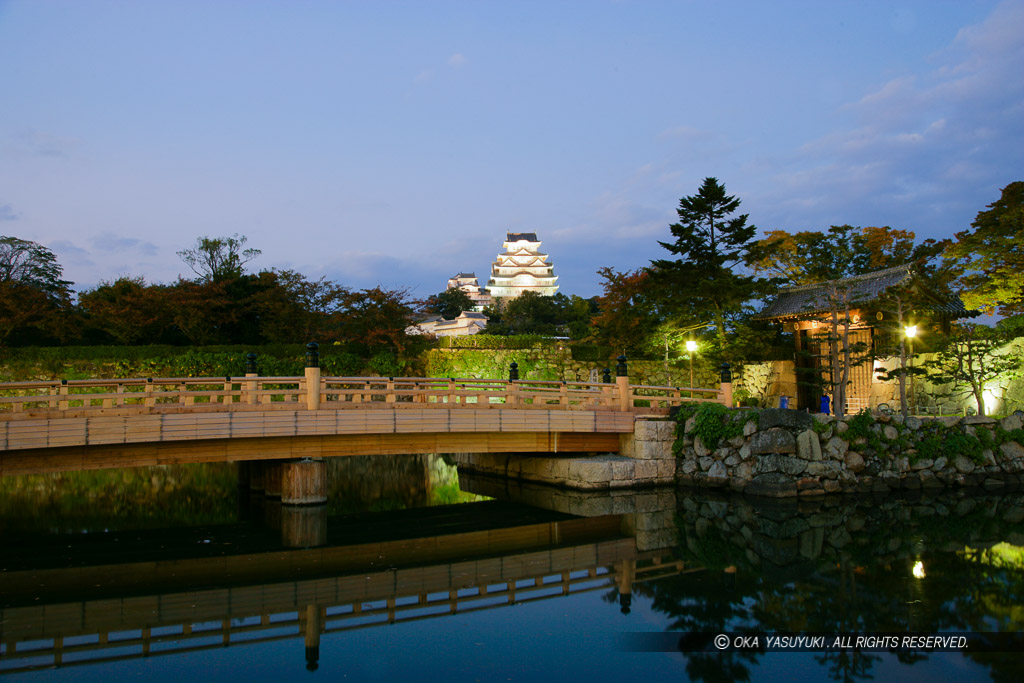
point(395, 142)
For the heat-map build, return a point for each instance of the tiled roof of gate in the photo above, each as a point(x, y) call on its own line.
point(814, 298)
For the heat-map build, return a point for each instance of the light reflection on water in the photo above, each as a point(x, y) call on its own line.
point(407, 582)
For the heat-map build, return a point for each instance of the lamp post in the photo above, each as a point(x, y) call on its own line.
point(691, 348)
point(911, 332)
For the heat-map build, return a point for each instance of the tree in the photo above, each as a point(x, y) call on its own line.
point(627, 314)
point(127, 309)
point(299, 309)
point(377, 317)
point(992, 256)
point(809, 257)
point(528, 313)
point(34, 297)
point(448, 304)
point(969, 358)
point(710, 242)
point(215, 259)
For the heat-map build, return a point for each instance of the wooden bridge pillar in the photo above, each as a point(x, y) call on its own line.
point(256, 481)
point(303, 526)
point(303, 482)
point(272, 473)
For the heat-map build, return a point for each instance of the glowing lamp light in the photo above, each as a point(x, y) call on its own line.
point(911, 331)
point(918, 570)
point(691, 346)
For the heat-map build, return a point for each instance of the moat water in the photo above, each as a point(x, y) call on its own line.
point(410, 572)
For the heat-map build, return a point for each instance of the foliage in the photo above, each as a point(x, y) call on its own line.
point(491, 341)
point(377, 317)
point(126, 309)
point(34, 296)
point(448, 304)
point(713, 422)
point(215, 259)
point(384, 364)
point(627, 317)
point(710, 242)
point(809, 257)
point(970, 357)
point(992, 256)
point(534, 313)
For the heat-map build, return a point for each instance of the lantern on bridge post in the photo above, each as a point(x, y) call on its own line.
point(726, 387)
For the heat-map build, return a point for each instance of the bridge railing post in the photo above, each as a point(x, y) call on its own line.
point(607, 391)
point(249, 394)
point(622, 380)
point(150, 400)
point(312, 376)
point(63, 404)
point(725, 392)
point(390, 396)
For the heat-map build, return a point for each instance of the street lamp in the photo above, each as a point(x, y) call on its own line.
point(691, 348)
point(911, 332)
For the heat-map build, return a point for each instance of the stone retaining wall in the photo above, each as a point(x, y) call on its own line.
point(785, 453)
point(646, 460)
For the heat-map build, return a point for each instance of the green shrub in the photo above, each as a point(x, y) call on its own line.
point(713, 422)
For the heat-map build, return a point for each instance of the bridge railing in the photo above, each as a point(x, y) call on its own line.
point(72, 398)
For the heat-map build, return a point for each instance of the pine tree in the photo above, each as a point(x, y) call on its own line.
point(710, 242)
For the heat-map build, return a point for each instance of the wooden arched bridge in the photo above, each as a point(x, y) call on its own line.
point(90, 424)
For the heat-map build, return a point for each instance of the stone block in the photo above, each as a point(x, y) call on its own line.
point(963, 464)
point(807, 445)
point(977, 420)
point(772, 484)
point(777, 417)
point(1011, 450)
point(1012, 422)
point(836, 448)
point(854, 461)
point(774, 440)
point(646, 469)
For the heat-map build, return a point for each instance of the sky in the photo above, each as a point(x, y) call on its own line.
point(395, 143)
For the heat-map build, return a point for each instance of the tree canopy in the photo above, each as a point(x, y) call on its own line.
point(218, 258)
point(448, 304)
point(710, 243)
point(992, 255)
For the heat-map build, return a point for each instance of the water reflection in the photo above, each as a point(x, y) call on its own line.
point(388, 551)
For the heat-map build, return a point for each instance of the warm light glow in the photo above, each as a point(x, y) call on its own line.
point(911, 331)
point(991, 402)
point(691, 346)
point(918, 570)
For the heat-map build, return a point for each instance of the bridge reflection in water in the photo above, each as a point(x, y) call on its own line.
point(74, 600)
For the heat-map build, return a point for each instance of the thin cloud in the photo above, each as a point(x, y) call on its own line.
point(7, 213)
point(109, 242)
point(456, 60)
